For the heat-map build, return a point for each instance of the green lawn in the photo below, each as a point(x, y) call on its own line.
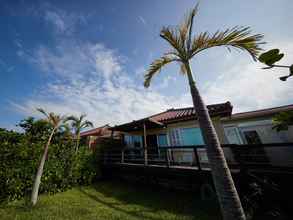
point(109, 200)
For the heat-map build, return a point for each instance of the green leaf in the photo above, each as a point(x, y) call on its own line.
point(274, 59)
point(265, 56)
point(270, 57)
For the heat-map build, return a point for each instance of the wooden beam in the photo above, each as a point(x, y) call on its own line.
point(122, 156)
point(145, 145)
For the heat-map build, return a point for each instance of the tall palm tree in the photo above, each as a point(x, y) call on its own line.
point(78, 123)
point(184, 46)
point(55, 121)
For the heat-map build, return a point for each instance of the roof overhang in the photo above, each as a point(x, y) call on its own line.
point(138, 125)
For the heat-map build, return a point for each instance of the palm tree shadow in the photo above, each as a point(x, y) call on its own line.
point(153, 200)
point(114, 206)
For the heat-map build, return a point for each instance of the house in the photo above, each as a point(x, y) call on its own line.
point(255, 127)
point(179, 127)
point(92, 137)
point(173, 127)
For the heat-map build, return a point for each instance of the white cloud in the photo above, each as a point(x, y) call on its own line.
point(57, 20)
point(249, 87)
point(62, 21)
point(89, 78)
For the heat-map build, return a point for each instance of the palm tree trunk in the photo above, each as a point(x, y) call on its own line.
point(77, 142)
point(36, 186)
point(226, 191)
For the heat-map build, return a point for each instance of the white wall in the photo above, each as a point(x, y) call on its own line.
point(263, 127)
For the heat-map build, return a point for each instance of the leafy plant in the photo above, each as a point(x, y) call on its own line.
point(283, 120)
point(19, 157)
point(273, 56)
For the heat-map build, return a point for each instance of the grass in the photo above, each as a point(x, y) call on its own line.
point(112, 200)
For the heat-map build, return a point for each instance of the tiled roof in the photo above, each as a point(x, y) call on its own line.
point(222, 109)
point(260, 113)
point(101, 131)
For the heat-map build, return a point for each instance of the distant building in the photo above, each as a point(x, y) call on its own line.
point(93, 136)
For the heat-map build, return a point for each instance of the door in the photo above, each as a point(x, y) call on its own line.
point(152, 145)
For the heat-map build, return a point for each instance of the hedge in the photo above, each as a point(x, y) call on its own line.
point(64, 168)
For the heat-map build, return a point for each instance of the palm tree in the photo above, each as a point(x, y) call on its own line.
point(55, 121)
point(184, 46)
point(78, 124)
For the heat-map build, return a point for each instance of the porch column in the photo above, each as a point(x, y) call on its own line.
point(112, 134)
point(145, 145)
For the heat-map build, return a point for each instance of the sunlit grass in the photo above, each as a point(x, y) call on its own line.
point(109, 200)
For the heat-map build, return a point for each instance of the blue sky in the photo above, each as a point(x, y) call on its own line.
point(75, 57)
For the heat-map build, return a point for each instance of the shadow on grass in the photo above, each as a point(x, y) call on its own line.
point(152, 200)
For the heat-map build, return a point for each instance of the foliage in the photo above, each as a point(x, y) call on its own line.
point(78, 123)
point(270, 57)
point(283, 120)
point(20, 154)
point(185, 45)
point(273, 56)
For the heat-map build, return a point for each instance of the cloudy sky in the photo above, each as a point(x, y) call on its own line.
point(74, 57)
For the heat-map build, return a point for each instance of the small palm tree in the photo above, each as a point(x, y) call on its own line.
point(184, 46)
point(55, 121)
point(78, 123)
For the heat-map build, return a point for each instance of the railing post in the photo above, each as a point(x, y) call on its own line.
point(122, 156)
point(145, 146)
point(197, 158)
point(167, 158)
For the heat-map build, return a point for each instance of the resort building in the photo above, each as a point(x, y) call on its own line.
point(179, 127)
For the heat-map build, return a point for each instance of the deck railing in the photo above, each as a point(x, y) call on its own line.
point(261, 155)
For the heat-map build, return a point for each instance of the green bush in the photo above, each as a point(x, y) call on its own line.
point(19, 158)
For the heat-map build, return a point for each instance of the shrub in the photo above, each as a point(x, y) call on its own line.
point(19, 158)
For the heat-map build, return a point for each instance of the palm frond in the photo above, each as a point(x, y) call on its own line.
point(173, 53)
point(43, 112)
point(86, 124)
point(238, 37)
point(71, 118)
point(189, 24)
point(82, 116)
point(156, 66)
point(172, 36)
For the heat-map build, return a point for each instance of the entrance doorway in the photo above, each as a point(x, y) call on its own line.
point(152, 145)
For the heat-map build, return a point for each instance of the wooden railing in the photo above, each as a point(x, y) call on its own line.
point(264, 155)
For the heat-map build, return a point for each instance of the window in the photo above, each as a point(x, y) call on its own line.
point(162, 140)
point(252, 137)
point(175, 137)
point(186, 136)
point(192, 136)
point(137, 141)
point(233, 135)
point(128, 140)
point(133, 141)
